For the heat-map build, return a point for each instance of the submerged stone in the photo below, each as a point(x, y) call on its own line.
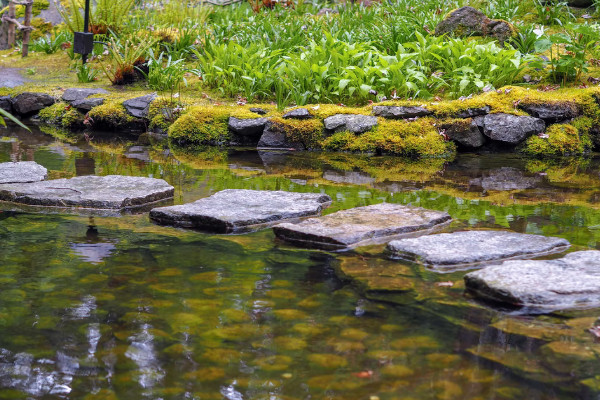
point(235, 210)
point(355, 123)
point(506, 179)
point(361, 225)
point(448, 251)
point(103, 192)
point(22, 172)
point(541, 285)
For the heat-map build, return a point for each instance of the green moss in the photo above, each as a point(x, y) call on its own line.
point(111, 114)
point(559, 140)
point(308, 132)
point(53, 114)
point(201, 125)
point(61, 134)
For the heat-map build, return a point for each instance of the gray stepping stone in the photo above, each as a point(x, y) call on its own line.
point(113, 192)
point(74, 94)
point(360, 226)
point(541, 285)
point(238, 210)
point(22, 172)
point(459, 250)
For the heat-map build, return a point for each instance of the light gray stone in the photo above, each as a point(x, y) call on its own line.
point(362, 225)
point(541, 285)
point(28, 103)
point(102, 192)
point(247, 126)
point(298, 113)
point(511, 129)
point(238, 210)
point(355, 123)
point(73, 94)
point(396, 112)
point(22, 172)
point(87, 104)
point(139, 106)
point(451, 251)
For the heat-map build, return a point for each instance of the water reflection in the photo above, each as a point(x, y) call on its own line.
point(93, 249)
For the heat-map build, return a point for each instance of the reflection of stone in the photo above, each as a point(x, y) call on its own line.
point(93, 252)
point(447, 251)
point(543, 285)
point(353, 177)
point(506, 178)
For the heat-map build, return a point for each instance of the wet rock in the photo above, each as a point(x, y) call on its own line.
point(75, 94)
point(22, 172)
point(299, 113)
point(361, 225)
point(87, 104)
point(241, 210)
point(139, 106)
point(395, 112)
point(569, 358)
point(451, 251)
point(541, 285)
point(274, 137)
point(465, 133)
point(511, 129)
point(104, 192)
point(473, 112)
point(353, 177)
point(28, 103)
point(505, 179)
point(354, 123)
point(468, 21)
point(6, 103)
point(552, 112)
point(247, 127)
point(259, 111)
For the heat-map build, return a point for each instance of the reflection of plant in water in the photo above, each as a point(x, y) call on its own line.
point(572, 171)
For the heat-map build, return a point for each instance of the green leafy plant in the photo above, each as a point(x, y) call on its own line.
point(124, 56)
point(50, 44)
point(553, 12)
point(6, 114)
point(85, 73)
point(105, 15)
point(166, 75)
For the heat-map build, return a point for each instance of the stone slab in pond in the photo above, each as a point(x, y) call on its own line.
point(239, 210)
point(452, 251)
point(22, 172)
point(541, 285)
point(360, 226)
point(113, 192)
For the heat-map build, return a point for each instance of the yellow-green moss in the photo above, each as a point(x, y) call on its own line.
point(201, 125)
point(309, 132)
point(62, 114)
point(111, 114)
point(61, 134)
point(559, 140)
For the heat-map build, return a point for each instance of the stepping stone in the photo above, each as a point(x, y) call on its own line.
point(113, 192)
point(360, 226)
point(541, 285)
point(22, 172)
point(453, 251)
point(233, 210)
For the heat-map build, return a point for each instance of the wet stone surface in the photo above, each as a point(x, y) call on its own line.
point(234, 210)
point(449, 251)
point(541, 285)
point(22, 172)
point(103, 192)
point(360, 225)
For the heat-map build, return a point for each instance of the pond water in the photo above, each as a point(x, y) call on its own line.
point(120, 308)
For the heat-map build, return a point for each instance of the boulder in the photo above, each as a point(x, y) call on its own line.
point(75, 94)
point(511, 129)
point(234, 210)
point(505, 179)
point(139, 106)
point(298, 113)
point(468, 21)
point(396, 112)
point(541, 285)
point(452, 251)
point(355, 123)
point(6, 103)
point(465, 133)
point(248, 126)
point(103, 192)
point(274, 137)
point(362, 225)
point(28, 103)
point(87, 104)
point(473, 112)
point(22, 172)
point(552, 112)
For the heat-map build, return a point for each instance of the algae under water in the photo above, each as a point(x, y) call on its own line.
point(120, 308)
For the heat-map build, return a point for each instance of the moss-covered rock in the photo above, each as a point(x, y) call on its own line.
point(110, 115)
point(559, 140)
point(63, 115)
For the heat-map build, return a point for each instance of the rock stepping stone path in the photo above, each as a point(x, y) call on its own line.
point(459, 250)
point(22, 172)
point(112, 192)
point(541, 285)
point(239, 210)
point(358, 226)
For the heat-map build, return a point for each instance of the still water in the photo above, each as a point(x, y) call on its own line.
point(119, 308)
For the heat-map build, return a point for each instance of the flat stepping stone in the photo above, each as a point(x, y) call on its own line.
point(113, 192)
point(360, 226)
point(541, 285)
point(239, 210)
point(22, 172)
point(453, 251)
